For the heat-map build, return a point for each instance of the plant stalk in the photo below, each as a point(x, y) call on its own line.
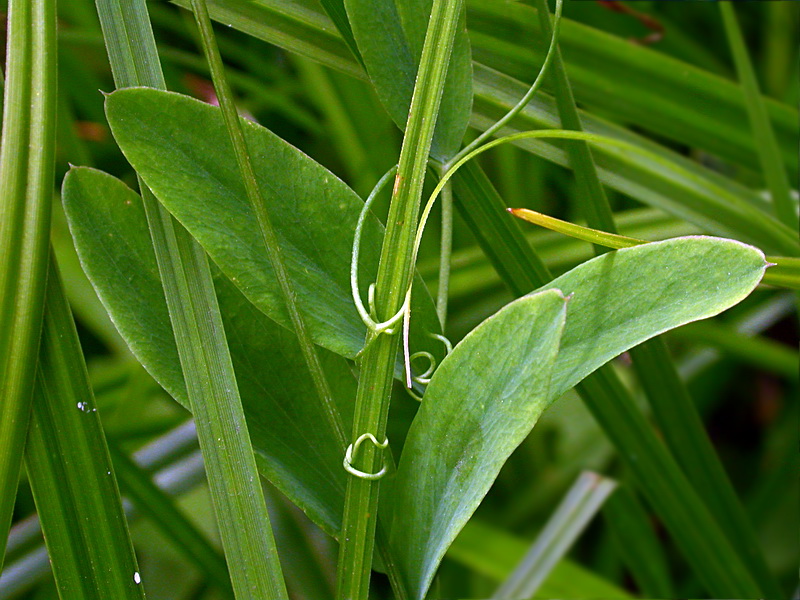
point(394, 276)
point(27, 155)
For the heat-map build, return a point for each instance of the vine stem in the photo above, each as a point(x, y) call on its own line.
point(394, 276)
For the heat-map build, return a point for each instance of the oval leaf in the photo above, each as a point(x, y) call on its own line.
point(390, 35)
point(479, 406)
point(616, 301)
point(181, 149)
point(623, 298)
point(294, 447)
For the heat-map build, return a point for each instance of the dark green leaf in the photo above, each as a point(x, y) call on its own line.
point(293, 447)
point(181, 149)
point(390, 34)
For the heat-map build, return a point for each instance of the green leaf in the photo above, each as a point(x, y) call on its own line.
point(616, 301)
point(299, 456)
point(27, 152)
point(70, 470)
point(390, 34)
point(180, 147)
point(620, 299)
point(477, 409)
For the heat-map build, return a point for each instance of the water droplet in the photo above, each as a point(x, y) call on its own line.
point(82, 406)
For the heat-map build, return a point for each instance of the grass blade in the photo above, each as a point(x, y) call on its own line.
point(70, 470)
point(766, 144)
point(26, 187)
point(494, 553)
point(203, 350)
point(569, 520)
point(150, 500)
point(638, 544)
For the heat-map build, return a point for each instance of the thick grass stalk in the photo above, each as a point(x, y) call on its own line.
point(26, 190)
point(205, 359)
point(394, 277)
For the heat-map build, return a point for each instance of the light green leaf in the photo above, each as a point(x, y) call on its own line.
point(180, 148)
point(478, 396)
point(478, 408)
point(293, 447)
point(390, 34)
point(624, 298)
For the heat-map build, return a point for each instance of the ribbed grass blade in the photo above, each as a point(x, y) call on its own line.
point(202, 347)
point(581, 503)
point(26, 186)
point(70, 470)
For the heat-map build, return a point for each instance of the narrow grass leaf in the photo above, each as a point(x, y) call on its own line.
point(202, 347)
point(301, 458)
point(390, 36)
point(151, 501)
point(586, 496)
point(27, 153)
point(181, 149)
point(769, 154)
point(70, 470)
point(638, 544)
point(494, 553)
point(478, 408)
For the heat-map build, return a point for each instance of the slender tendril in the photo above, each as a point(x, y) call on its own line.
point(551, 52)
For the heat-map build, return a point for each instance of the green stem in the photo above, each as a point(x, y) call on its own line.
point(275, 253)
point(767, 146)
point(27, 154)
point(394, 277)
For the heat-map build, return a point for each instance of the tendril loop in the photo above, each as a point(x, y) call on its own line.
point(353, 448)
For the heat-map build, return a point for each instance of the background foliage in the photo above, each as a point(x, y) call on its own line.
point(292, 72)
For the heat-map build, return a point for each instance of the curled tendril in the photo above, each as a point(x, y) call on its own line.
point(353, 448)
point(367, 317)
point(425, 377)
